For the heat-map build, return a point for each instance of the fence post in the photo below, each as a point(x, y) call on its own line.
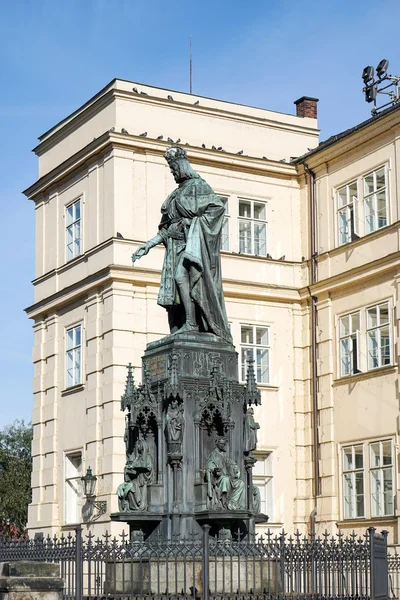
point(378, 564)
point(78, 563)
point(206, 562)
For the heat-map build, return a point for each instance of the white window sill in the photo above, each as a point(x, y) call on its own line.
point(364, 375)
point(74, 388)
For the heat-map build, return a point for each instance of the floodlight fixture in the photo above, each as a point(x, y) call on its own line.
point(370, 92)
point(368, 74)
point(382, 68)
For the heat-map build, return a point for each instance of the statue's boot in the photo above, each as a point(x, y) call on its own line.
point(190, 324)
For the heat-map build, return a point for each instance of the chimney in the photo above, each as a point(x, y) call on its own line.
point(306, 107)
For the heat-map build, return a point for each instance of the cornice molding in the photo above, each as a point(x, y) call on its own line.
point(242, 290)
point(199, 156)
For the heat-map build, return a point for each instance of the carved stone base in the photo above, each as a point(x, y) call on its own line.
point(141, 524)
point(232, 524)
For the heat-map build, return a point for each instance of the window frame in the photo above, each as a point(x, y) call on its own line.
point(362, 336)
point(377, 328)
point(69, 488)
point(355, 208)
point(72, 226)
point(252, 221)
point(374, 195)
point(254, 346)
point(353, 477)
point(226, 224)
point(266, 481)
point(368, 488)
point(355, 337)
point(73, 349)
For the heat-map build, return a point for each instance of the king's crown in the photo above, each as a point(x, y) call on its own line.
point(174, 153)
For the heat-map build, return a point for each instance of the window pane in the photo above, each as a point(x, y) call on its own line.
point(244, 209)
point(380, 178)
point(262, 366)
point(372, 317)
point(387, 492)
point(358, 457)
point(368, 184)
point(376, 508)
point(348, 496)
point(370, 216)
point(77, 210)
point(70, 339)
point(345, 358)
point(373, 360)
point(245, 237)
point(262, 336)
point(344, 326)
point(355, 322)
point(246, 334)
point(343, 224)
point(353, 190)
point(77, 336)
point(359, 478)
point(246, 355)
point(70, 213)
point(375, 455)
point(347, 459)
point(383, 313)
point(225, 234)
point(260, 239)
point(385, 347)
point(381, 209)
point(342, 197)
point(387, 452)
point(77, 366)
point(260, 211)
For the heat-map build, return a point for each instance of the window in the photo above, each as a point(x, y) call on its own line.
point(362, 206)
point(370, 496)
point(353, 481)
point(365, 340)
point(74, 241)
point(262, 478)
point(349, 331)
point(252, 227)
point(73, 488)
point(254, 345)
point(74, 355)
point(378, 336)
point(381, 474)
point(225, 226)
point(375, 200)
point(347, 213)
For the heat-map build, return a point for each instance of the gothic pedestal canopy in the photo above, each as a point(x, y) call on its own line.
point(189, 440)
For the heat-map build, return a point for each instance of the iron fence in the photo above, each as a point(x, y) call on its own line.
point(200, 567)
point(394, 572)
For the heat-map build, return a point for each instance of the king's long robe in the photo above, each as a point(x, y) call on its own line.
point(191, 225)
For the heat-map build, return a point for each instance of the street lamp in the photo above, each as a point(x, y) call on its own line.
point(89, 487)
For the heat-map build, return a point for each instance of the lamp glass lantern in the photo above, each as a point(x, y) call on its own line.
point(89, 483)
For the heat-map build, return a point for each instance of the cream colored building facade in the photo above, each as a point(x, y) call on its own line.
point(98, 196)
point(356, 216)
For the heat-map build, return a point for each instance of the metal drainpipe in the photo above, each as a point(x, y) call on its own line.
point(314, 389)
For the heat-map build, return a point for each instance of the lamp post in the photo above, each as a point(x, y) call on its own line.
point(89, 487)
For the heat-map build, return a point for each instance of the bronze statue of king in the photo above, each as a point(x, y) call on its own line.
point(192, 217)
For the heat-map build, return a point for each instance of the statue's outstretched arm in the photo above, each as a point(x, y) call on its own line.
point(144, 248)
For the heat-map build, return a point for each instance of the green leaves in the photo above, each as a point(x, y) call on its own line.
point(15, 472)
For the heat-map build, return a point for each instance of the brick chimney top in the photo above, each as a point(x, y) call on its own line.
point(306, 107)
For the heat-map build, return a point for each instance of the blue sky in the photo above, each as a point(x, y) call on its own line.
point(55, 55)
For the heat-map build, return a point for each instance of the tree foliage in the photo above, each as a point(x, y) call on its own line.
point(15, 473)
